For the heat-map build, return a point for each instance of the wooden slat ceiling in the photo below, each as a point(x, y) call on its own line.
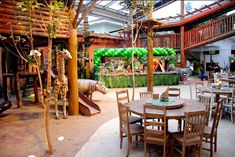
point(16, 22)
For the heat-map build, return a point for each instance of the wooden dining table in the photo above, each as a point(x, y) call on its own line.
point(218, 92)
point(188, 105)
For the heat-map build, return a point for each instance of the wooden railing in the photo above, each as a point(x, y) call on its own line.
point(195, 37)
point(169, 40)
point(209, 31)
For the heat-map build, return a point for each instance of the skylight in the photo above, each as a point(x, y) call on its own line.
point(92, 18)
point(116, 5)
point(103, 2)
point(174, 9)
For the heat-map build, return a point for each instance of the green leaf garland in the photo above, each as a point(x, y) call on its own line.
point(126, 52)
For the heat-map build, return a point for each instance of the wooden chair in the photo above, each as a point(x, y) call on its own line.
point(146, 95)
point(123, 97)
point(193, 132)
point(174, 92)
point(212, 101)
point(198, 88)
point(206, 100)
point(155, 131)
point(229, 106)
point(210, 133)
point(126, 128)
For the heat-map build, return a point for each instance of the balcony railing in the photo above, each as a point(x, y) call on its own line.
point(168, 40)
point(209, 31)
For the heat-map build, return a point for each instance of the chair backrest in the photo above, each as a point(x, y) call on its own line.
point(194, 127)
point(146, 95)
point(206, 100)
point(198, 88)
point(217, 117)
point(156, 128)
point(122, 96)
point(233, 98)
point(123, 115)
point(174, 92)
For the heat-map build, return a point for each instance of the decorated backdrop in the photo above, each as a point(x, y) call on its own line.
point(139, 53)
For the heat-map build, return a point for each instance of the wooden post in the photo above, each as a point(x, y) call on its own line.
point(1, 81)
point(72, 71)
point(35, 88)
point(150, 59)
point(5, 89)
point(86, 46)
point(17, 88)
point(182, 50)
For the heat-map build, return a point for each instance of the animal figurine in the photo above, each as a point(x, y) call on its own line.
point(165, 95)
point(87, 87)
point(61, 81)
point(185, 72)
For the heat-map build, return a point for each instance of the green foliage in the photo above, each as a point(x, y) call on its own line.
point(140, 53)
point(55, 8)
point(24, 5)
point(124, 81)
point(138, 6)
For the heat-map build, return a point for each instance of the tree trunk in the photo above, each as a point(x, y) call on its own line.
point(47, 98)
point(132, 60)
point(72, 71)
point(150, 60)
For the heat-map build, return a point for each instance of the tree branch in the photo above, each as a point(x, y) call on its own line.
point(86, 12)
point(77, 13)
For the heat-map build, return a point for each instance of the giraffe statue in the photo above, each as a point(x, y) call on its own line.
point(61, 82)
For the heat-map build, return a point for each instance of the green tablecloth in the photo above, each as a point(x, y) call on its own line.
point(123, 81)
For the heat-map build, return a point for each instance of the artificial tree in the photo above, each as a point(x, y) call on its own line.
point(142, 8)
point(73, 48)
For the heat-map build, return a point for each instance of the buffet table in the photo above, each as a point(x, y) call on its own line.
point(125, 80)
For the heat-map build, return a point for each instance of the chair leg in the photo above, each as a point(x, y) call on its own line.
point(215, 143)
point(183, 151)
point(121, 137)
point(136, 139)
point(129, 143)
point(179, 125)
point(145, 149)
point(171, 148)
point(231, 115)
point(211, 147)
point(199, 150)
point(164, 150)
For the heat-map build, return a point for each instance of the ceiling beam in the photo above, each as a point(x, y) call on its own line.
point(108, 14)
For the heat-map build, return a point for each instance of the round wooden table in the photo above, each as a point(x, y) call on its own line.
point(137, 107)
